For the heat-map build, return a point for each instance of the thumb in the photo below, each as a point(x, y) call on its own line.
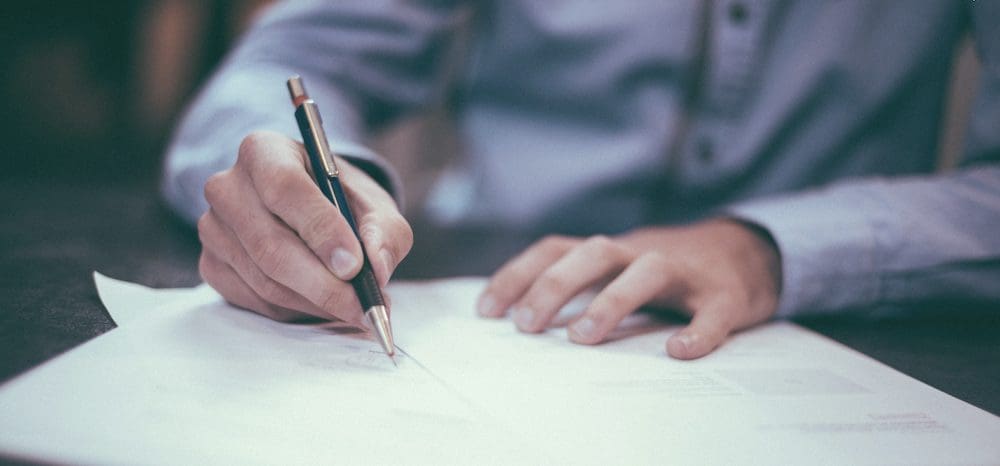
point(708, 329)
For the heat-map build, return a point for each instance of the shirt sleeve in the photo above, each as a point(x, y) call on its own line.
point(869, 242)
point(364, 62)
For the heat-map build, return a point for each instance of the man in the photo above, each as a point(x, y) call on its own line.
point(734, 159)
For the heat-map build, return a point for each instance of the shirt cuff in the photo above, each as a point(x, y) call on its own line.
point(373, 165)
point(208, 138)
point(827, 247)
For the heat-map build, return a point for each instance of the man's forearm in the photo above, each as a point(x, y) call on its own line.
point(877, 241)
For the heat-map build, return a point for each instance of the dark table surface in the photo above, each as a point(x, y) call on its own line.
point(54, 235)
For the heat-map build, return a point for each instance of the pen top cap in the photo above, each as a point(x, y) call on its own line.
point(297, 90)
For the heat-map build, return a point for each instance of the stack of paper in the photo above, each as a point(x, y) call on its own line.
point(187, 378)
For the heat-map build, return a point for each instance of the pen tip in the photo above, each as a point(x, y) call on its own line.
point(378, 318)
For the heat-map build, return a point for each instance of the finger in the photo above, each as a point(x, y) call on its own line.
point(593, 260)
point(386, 235)
point(276, 250)
point(513, 279)
point(221, 243)
point(387, 238)
point(225, 280)
point(709, 327)
point(647, 277)
point(288, 191)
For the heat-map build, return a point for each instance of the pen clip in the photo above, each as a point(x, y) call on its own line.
point(314, 122)
point(311, 125)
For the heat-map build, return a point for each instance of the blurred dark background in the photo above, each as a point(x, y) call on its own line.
point(92, 89)
point(89, 93)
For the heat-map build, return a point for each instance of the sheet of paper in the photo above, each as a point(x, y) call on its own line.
point(193, 380)
point(188, 378)
point(777, 394)
point(127, 302)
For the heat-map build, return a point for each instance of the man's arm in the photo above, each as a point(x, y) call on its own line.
point(871, 242)
point(856, 243)
point(365, 63)
point(270, 241)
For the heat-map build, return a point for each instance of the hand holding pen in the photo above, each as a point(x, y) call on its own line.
point(272, 243)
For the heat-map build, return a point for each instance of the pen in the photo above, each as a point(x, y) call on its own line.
point(327, 176)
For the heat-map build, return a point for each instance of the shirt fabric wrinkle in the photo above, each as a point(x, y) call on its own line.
point(591, 117)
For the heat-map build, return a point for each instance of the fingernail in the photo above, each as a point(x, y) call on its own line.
point(486, 304)
point(523, 317)
point(343, 263)
point(585, 329)
point(685, 342)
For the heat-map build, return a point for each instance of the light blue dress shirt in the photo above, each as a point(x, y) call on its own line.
point(817, 120)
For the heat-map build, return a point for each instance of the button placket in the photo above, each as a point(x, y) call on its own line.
point(737, 11)
point(739, 30)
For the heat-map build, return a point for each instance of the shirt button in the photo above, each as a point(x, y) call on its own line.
point(737, 12)
point(704, 151)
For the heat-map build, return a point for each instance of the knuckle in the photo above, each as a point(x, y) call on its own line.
point(318, 228)
point(390, 232)
point(203, 228)
point(401, 236)
point(600, 242)
point(514, 276)
point(203, 222)
point(205, 269)
point(270, 255)
point(271, 292)
point(552, 284)
point(656, 261)
point(331, 301)
point(610, 300)
point(255, 279)
point(369, 232)
point(393, 259)
point(602, 246)
point(553, 242)
point(404, 231)
point(279, 182)
point(500, 285)
point(215, 188)
point(252, 145)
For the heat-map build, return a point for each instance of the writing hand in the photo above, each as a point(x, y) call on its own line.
point(272, 243)
point(721, 272)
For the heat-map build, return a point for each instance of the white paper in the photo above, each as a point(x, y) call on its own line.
point(777, 394)
point(191, 379)
point(127, 302)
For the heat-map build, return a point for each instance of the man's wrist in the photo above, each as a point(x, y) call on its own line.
point(764, 251)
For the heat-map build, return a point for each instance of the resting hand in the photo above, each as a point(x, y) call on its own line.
point(721, 272)
point(272, 243)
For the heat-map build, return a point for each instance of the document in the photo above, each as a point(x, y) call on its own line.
point(188, 378)
point(191, 380)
